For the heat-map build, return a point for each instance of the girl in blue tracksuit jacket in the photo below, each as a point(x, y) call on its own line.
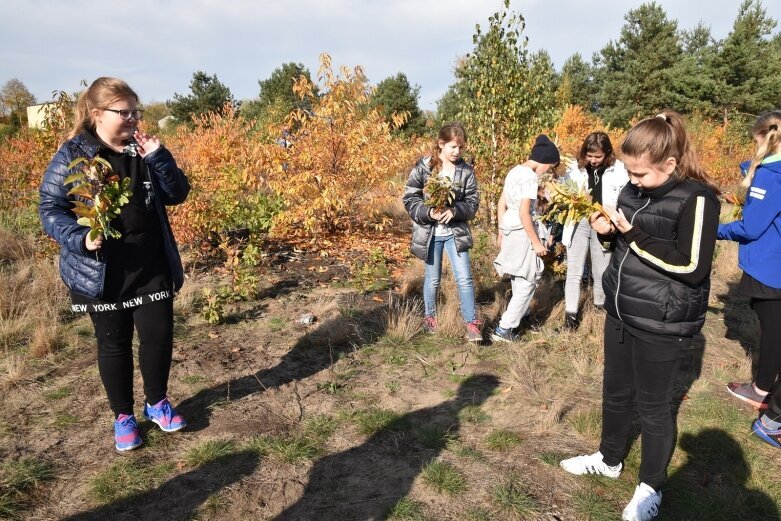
point(758, 234)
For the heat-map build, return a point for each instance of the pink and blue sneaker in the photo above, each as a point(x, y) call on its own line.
point(164, 416)
point(126, 435)
point(769, 436)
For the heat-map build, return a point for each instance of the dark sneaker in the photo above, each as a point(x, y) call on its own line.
point(164, 416)
point(473, 333)
point(748, 394)
point(126, 435)
point(501, 334)
point(430, 324)
point(772, 437)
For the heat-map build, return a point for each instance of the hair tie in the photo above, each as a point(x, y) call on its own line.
point(772, 127)
point(664, 117)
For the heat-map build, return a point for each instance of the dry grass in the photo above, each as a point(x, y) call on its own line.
point(403, 321)
point(32, 298)
point(13, 371)
point(13, 247)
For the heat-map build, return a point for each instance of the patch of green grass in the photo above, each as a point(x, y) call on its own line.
point(433, 437)
point(58, 394)
point(395, 357)
point(276, 324)
point(552, 458)
point(502, 440)
point(444, 477)
point(331, 387)
point(509, 495)
point(321, 426)
point(209, 451)
point(406, 510)
point(473, 414)
point(393, 386)
point(478, 514)
point(127, 477)
point(194, 379)
point(349, 311)
point(373, 420)
point(17, 479)
point(63, 420)
point(587, 423)
point(465, 451)
point(594, 506)
point(457, 378)
point(288, 448)
point(211, 508)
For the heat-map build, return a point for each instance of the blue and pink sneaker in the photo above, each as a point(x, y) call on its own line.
point(770, 436)
point(164, 415)
point(126, 435)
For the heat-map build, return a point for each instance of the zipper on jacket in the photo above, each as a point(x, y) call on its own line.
point(621, 265)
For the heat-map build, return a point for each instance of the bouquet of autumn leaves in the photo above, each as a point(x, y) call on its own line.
point(439, 192)
point(570, 203)
point(737, 200)
point(100, 194)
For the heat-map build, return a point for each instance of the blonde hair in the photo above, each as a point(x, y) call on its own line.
point(765, 128)
point(447, 133)
point(103, 92)
point(663, 136)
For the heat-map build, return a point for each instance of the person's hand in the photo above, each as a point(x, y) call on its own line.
point(146, 143)
point(600, 224)
point(618, 219)
point(93, 245)
point(444, 216)
point(539, 249)
point(549, 242)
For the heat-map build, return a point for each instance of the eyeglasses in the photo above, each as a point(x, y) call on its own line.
point(127, 114)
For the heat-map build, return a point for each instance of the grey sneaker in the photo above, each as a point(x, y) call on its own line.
point(473, 333)
point(501, 334)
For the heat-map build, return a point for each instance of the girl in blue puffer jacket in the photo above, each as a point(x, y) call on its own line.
point(758, 234)
point(126, 283)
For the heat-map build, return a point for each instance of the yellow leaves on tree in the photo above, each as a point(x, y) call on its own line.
point(575, 124)
point(338, 168)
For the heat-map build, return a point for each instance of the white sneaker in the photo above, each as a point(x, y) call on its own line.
point(644, 505)
point(591, 464)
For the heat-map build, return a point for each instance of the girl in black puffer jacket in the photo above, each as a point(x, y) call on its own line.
point(124, 283)
point(656, 289)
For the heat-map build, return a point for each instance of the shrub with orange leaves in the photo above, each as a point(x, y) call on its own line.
point(722, 147)
point(340, 160)
point(221, 158)
point(575, 124)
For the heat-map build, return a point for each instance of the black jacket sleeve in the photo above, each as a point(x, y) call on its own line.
point(688, 258)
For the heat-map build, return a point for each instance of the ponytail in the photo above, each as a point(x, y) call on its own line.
point(765, 129)
point(663, 136)
point(103, 92)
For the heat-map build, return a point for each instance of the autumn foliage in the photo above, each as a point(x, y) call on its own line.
point(340, 163)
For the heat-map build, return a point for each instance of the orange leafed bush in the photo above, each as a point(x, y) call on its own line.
point(342, 159)
point(575, 124)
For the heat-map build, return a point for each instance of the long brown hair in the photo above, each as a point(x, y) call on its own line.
point(103, 92)
point(765, 128)
point(597, 142)
point(663, 136)
point(448, 132)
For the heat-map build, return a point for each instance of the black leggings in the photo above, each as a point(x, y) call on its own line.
point(769, 363)
point(640, 367)
point(114, 332)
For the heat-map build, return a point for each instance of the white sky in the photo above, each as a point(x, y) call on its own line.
point(156, 45)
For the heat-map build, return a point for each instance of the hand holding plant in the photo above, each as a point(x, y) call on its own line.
point(99, 196)
point(570, 203)
point(439, 193)
point(737, 200)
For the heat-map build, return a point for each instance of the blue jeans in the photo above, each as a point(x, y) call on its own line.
point(461, 271)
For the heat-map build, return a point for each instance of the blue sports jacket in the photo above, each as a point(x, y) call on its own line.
point(83, 271)
point(758, 232)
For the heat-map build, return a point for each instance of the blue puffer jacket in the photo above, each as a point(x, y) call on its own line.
point(84, 272)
